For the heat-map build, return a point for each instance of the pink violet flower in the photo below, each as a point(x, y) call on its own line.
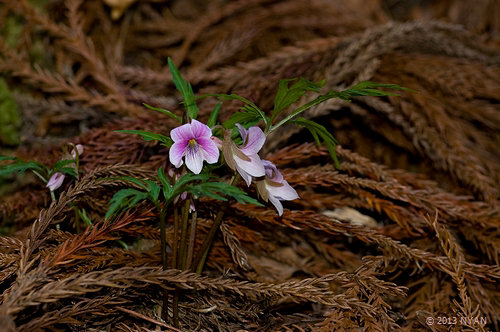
point(55, 181)
point(79, 148)
point(275, 188)
point(193, 141)
point(245, 159)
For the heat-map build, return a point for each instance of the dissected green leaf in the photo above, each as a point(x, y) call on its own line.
point(362, 89)
point(241, 118)
point(149, 136)
point(124, 199)
point(318, 131)
point(20, 166)
point(216, 190)
point(164, 111)
point(287, 96)
point(185, 89)
point(249, 107)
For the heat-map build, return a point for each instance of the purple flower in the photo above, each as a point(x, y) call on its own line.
point(245, 158)
point(55, 181)
point(193, 141)
point(274, 187)
point(79, 148)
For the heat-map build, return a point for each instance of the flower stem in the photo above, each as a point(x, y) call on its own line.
point(53, 196)
point(182, 249)
point(77, 220)
point(192, 237)
point(202, 255)
point(176, 238)
point(164, 311)
point(199, 260)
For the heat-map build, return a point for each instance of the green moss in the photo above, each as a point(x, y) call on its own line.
point(10, 121)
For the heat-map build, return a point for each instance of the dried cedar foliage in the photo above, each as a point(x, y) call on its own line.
point(423, 169)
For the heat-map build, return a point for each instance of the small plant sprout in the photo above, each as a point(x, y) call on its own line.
point(241, 139)
point(52, 177)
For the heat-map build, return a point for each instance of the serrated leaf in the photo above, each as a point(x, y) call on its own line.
point(287, 96)
point(365, 88)
point(213, 116)
point(138, 182)
point(248, 107)
point(215, 190)
point(20, 167)
point(68, 170)
point(318, 131)
point(164, 111)
point(124, 199)
point(149, 136)
point(60, 164)
point(241, 118)
point(185, 89)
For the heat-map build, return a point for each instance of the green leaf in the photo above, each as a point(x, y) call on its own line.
point(213, 116)
point(20, 166)
point(185, 89)
point(138, 182)
point(318, 131)
point(153, 190)
point(167, 187)
point(86, 219)
point(249, 107)
point(164, 111)
point(369, 88)
point(124, 199)
point(60, 164)
point(215, 190)
point(287, 96)
point(362, 89)
point(241, 118)
point(68, 170)
point(149, 136)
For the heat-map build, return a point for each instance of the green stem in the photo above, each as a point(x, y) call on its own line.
point(192, 237)
point(182, 249)
point(163, 245)
point(176, 238)
point(53, 196)
point(207, 243)
point(200, 258)
point(77, 220)
point(40, 176)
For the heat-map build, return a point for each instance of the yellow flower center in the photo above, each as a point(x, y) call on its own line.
point(192, 142)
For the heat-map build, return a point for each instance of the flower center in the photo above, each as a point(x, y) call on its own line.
point(192, 142)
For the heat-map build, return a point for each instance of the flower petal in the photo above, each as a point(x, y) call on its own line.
point(79, 149)
point(55, 181)
point(282, 191)
point(254, 141)
point(176, 152)
point(277, 204)
point(209, 149)
point(272, 172)
point(243, 132)
point(182, 133)
point(247, 177)
point(200, 129)
point(253, 166)
point(194, 159)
